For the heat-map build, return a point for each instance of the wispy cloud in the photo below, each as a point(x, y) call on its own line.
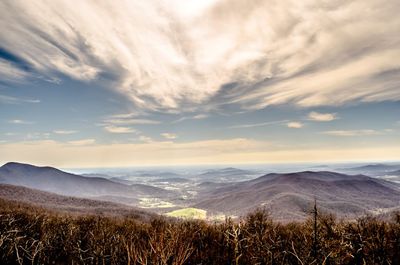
point(13, 100)
point(295, 125)
point(131, 118)
point(365, 132)
point(131, 121)
point(17, 121)
point(195, 117)
point(37, 136)
point(258, 124)
point(82, 142)
point(10, 134)
point(316, 116)
point(307, 53)
point(10, 72)
point(200, 116)
point(169, 136)
point(118, 129)
point(64, 131)
point(145, 139)
point(123, 115)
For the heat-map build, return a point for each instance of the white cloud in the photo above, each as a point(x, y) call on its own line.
point(179, 54)
point(17, 121)
point(145, 139)
point(123, 115)
point(82, 142)
point(169, 136)
point(125, 119)
point(365, 132)
point(64, 131)
point(10, 72)
point(195, 117)
point(131, 121)
point(200, 116)
point(295, 125)
point(118, 129)
point(37, 136)
point(316, 116)
point(13, 100)
point(257, 124)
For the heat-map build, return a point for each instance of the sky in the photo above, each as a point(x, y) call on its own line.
point(185, 82)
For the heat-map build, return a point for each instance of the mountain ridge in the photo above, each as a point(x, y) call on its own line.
point(290, 195)
point(54, 180)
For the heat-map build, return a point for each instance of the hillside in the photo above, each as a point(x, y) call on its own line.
point(66, 204)
point(32, 235)
point(291, 196)
point(60, 182)
point(225, 174)
point(372, 169)
point(286, 196)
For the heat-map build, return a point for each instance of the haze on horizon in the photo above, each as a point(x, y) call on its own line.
point(178, 82)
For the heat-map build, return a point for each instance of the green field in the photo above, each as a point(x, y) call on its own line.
point(190, 213)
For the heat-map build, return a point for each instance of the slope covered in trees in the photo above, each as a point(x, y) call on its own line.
point(30, 235)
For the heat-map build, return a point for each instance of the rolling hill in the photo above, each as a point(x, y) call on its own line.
point(372, 169)
point(291, 196)
point(287, 196)
point(67, 204)
point(60, 182)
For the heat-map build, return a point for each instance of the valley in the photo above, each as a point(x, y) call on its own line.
point(209, 194)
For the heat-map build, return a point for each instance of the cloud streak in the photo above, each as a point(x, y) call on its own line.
point(13, 100)
point(118, 129)
point(261, 124)
point(365, 132)
point(295, 125)
point(185, 54)
point(324, 117)
point(82, 142)
point(17, 121)
point(64, 132)
point(169, 136)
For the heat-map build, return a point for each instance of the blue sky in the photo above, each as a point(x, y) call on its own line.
point(127, 83)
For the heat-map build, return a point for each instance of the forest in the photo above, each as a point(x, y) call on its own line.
point(34, 235)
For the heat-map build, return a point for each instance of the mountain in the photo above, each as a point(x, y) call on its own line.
point(60, 182)
point(121, 180)
point(376, 167)
point(61, 203)
point(291, 196)
point(171, 180)
point(156, 174)
point(225, 174)
point(394, 173)
point(392, 176)
point(372, 169)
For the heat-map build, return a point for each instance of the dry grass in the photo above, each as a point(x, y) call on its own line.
point(32, 235)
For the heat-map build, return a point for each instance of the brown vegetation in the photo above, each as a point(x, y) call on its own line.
point(32, 235)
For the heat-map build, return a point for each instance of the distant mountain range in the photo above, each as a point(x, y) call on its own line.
point(225, 174)
point(394, 173)
point(61, 203)
point(373, 169)
point(60, 182)
point(291, 196)
point(287, 196)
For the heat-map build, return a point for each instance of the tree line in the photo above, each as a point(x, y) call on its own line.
point(33, 235)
